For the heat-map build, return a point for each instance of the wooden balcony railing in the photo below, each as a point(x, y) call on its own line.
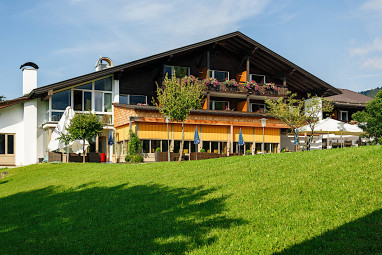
point(241, 88)
point(282, 91)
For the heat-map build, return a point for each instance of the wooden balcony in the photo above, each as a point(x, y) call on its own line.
point(282, 91)
point(242, 89)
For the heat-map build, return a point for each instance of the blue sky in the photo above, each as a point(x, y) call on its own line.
point(338, 41)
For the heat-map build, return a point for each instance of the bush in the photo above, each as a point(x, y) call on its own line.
point(128, 158)
point(134, 145)
point(136, 159)
point(157, 149)
point(202, 150)
point(248, 152)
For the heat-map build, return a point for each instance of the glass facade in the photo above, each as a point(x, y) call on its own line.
point(219, 75)
point(179, 71)
point(61, 100)
point(94, 96)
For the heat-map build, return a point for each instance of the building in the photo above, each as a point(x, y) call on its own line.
point(122, 96)
point(347, 103)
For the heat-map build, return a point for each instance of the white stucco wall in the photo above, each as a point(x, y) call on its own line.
point(30, 132)
point(42, 108)
point(11, 121)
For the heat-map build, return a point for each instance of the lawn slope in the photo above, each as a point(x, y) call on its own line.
point(319, 202)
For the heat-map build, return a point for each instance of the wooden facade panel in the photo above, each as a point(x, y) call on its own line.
point(271, 135)
point(213, 133)
point(189, 131)
point(242, 106)
point(247, 134)
point(242, 77)
point(152, 131)
point(123, 132)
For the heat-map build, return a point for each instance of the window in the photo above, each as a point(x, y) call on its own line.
point(219, 105)
point(132, 99)
point(257, 107)
point(107, 102)
point(138, 99)
point(104, 84)
point(94, 96)
point(82, 100)
point(146, 146)
point(258, 78)
point(219, 75)
point(344, 115)
point(123, 99)
point(178, 70)
point(61, 100)
point(7, 144)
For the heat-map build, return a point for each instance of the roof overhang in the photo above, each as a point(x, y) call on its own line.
point(235, 42)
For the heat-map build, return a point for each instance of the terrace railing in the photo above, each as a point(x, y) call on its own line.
point(241, 88)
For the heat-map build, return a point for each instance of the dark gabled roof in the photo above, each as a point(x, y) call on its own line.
point(237, 43)
point(8, 103)
point(349, 98)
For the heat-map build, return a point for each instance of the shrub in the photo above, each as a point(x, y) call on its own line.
point(157, 149)
point(202, 150)
point(136, 159)
point(248, 152)
point(128, 158)
point(134, 145)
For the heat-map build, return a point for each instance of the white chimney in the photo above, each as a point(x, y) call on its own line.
point(29, 77)
point(100, 65)
point(29, 80)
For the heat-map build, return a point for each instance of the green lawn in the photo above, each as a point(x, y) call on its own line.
point(319, 202)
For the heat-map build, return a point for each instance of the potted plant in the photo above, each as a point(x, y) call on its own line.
point(252, 86)
point(189, 79)
point(271, 87)
point(232, 84)
point(211, 83)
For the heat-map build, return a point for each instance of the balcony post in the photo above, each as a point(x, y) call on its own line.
point(248, 68)
point(248, 104)
point(208, 100)
point(208, 64)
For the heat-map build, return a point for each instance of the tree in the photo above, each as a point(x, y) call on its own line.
point(177, 98)
point(2, 98)
point(299, 112)
point(84, 127)
point(370, 120)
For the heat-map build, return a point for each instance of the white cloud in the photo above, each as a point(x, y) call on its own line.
point(375, 46)
point(372, 63)
point(369, 55)
point(136, 28)
point(372, 5)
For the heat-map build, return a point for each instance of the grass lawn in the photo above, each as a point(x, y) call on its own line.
point(319, 202)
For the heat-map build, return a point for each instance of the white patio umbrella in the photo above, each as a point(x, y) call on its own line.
point(330, 126)
point(61, 128)
point(325, 126)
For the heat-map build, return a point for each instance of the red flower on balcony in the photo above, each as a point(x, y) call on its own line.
point(231, 83)
point(189, 79)
point(270, 86)
point(211, 82)
point(252, 85)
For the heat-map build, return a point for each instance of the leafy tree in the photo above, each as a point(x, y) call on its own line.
point(370, 120)
point(2, 98)
point(177, 98)
point(85, 127)
point(296, 113)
